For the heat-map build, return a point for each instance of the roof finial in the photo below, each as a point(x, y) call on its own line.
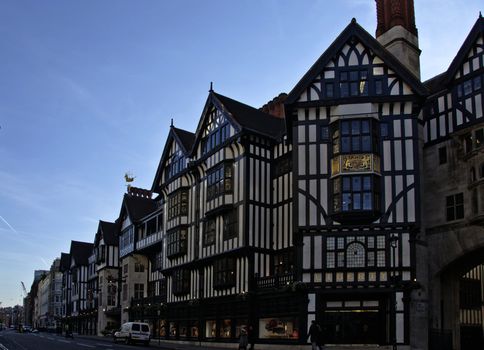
point(171, 125)
point(211, 87)
point(353, 20)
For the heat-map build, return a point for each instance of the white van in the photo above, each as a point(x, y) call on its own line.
point(132, 332)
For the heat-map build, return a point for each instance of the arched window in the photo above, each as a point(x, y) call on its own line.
point(355, 255)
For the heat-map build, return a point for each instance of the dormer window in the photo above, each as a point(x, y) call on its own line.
point(217, 131)
point(176, 164)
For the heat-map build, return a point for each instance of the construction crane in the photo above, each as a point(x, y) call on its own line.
point(24, 289)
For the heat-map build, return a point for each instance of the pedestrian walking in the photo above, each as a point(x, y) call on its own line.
point(244, 340)
point(316, 335)
point(251, 337)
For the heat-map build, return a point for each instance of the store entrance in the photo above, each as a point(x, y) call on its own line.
point(354, 322)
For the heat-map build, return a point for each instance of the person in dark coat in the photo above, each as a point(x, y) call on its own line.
point(244, 340)
point(315, 333)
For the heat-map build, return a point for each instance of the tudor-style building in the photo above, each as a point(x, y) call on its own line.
point(355, 201)
point(107, 273)
point(454, 196)
point(132, 283)
point(217, 228)
point(78, 316)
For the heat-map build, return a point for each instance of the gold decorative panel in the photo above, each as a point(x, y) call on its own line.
point(355, 163)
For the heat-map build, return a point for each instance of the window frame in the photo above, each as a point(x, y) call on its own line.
point(224, 273)
point(177, 242)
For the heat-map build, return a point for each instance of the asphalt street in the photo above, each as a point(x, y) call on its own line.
point(11, 340)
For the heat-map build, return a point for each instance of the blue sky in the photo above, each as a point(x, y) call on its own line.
point(88, 88)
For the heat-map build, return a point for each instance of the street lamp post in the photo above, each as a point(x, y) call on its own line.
point(393, 245)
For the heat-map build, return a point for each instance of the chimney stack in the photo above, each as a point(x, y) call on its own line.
point(397, 32)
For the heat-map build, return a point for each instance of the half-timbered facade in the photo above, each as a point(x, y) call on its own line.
point(356, 200)
point(134, 267)
point(78, 270)
point(454, 195)
point(107, 274)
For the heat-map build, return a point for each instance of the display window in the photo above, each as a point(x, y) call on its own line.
point(225, 329)
point(279, 328)
point(173, 329)
point(210, 329)
point(239, 323)
point(163, 328)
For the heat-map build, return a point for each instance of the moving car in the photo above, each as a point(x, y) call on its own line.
point(132, 332)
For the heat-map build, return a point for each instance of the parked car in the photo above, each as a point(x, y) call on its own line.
point(132, 332)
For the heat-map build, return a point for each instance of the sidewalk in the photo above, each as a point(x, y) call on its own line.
point(167, 344)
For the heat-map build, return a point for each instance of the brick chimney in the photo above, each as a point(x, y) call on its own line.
point(397, 32)
point(275, 107)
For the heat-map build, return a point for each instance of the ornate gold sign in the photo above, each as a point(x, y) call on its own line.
point(356, 162)
point(351, 163)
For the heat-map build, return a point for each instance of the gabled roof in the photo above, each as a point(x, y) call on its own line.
point(476, 30)
point(436, 83)
point(80, 252)
point(65, 262)
point(108, 231)
point(355, 30)
point(241, 116)
point(137, 207)
point(251, 118)
point(184, 138)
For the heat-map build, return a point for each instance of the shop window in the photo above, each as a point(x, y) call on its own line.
point(194, 329)
point(442, 155)
point(226, 329)
point(163, 328)
point(279, 328)
point(219, 181)
point(181, 282)
point(183, 329)
point(209, 233)
point(210, 329)
point(173, 330)
point(176, 241)
point(178, 204)
point(455, 207)
point(230, 224)
point(224, 273)
point(239, 324)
